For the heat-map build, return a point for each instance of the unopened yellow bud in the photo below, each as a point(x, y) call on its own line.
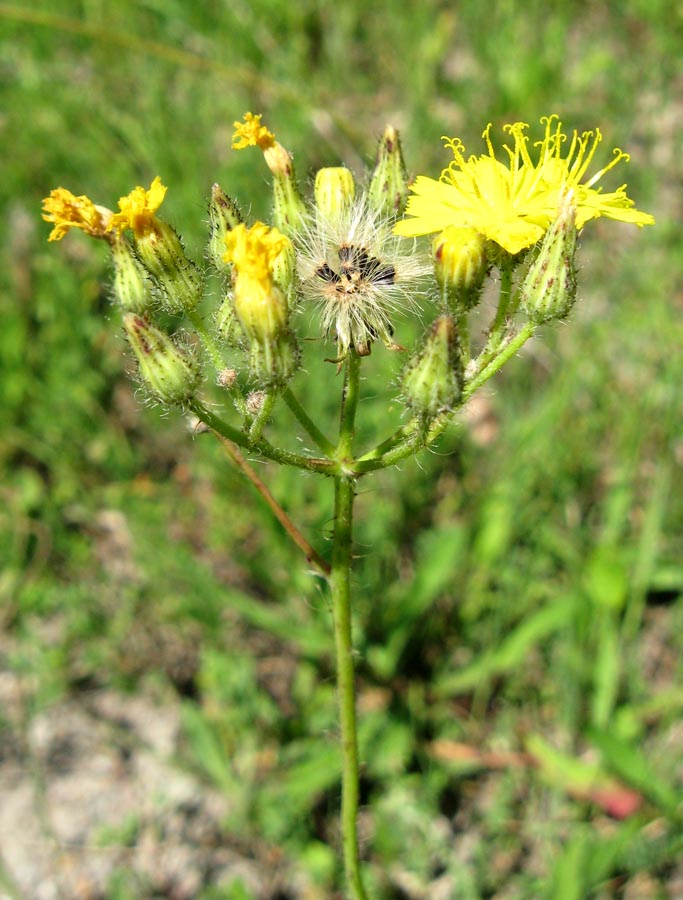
point(334, 191)
point(549, 288)
point(224, 215)
point(433, 379)
point(460, 266)
point(132, 285)
point(168, 370)
point(388, 189)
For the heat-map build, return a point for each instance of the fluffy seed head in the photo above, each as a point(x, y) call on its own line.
point(359, 274)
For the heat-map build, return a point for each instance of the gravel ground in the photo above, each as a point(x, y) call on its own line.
point(92, 793)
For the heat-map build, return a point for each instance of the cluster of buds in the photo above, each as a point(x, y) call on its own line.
point(341, 252)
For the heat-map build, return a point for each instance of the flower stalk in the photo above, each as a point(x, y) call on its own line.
point(341, 611)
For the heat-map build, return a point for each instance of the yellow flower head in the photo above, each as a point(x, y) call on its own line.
point(254, 251)
point(514, 202)
point(251, 133)
point(137, 209)
point(260, 303)
point(66, 211)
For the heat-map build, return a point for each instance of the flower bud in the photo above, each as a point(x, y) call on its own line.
point(460, 266)
point(284, 271)
point(432, 381)
point(388, 189)
point(223, 217)
point(131, 286)
point(169, 371)
point(176, 277)
point(226, 323)
point(263, 315)
point(334, 191)
point(273, 362)
point(549, 288)
point(289, 211)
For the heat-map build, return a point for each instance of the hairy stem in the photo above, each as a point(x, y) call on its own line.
point(261, 418)
point(262, 447)
point(207, 340)
point(308, 424)
point(341, 606)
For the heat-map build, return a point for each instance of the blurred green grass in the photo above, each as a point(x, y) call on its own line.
point(525, 580)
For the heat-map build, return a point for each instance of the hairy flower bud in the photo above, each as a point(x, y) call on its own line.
point(177, 279)
point(388, 189)
point(549, 288)
point(335, 190)
point(288, 208)
point(224, 215)
point(131, 287)
point(158, 247)
point(460, 266)
point(284, 272)
point(226, 323)
point(169, 371)
point(432, 381)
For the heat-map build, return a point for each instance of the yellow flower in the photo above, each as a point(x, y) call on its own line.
point(66, 211)
point(254, 252)
point(251, 133)
point(137, 209)
point(513, 203)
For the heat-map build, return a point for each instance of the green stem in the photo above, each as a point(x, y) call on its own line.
point(207, 340)
point(310, 463)
point(399, 436)
point(507, 307)
point(504, 299)
point(349, 405)
point(504, 354)
point(418, 439)
point(341, 606)
point(259, 421)
point(309, 425)
point(464, 337)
